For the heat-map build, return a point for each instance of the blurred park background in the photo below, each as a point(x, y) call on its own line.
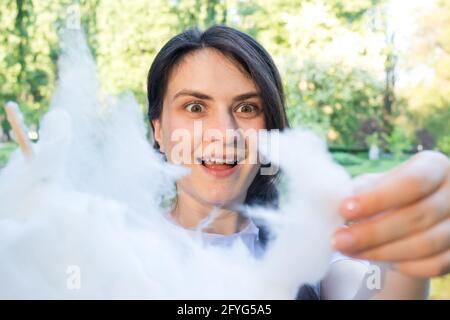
point(370, 76)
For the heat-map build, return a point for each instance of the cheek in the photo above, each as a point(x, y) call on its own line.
point(257, 123)
point(179, 133)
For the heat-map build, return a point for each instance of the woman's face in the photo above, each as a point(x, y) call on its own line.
point(207, 96)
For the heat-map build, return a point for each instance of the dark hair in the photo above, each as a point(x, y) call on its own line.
point(250, 56)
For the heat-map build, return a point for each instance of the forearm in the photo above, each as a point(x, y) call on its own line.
point(364, 280)
point(394, 285)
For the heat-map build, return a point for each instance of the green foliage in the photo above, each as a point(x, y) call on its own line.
point(444, 144)
point(347, 159)
point(428, 102)
point(27, 56)
point(344, 102)
point(357, 164)
point(330, 96)
point(333, 97)
point(352, 10)
point(373, 139)
point(440, 288)
point(125, 36)
point(5, 152)
point(398, 142)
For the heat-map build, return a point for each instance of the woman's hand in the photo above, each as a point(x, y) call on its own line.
point(403, 218)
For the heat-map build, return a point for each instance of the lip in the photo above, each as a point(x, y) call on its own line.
point(220, 173)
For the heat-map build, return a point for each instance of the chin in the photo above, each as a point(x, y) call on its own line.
point(221, 199)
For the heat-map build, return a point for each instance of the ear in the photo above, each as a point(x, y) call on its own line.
point(158, 133)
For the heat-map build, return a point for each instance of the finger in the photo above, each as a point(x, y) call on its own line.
point(418, 246)
point(366, 181)
point(396, 224)
point(434, 266)
point(412, 180)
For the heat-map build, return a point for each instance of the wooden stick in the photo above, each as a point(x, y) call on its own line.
point(15, 120)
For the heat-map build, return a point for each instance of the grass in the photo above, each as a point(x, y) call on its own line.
point(5, 152)
point(440, 288)
point(359, 164)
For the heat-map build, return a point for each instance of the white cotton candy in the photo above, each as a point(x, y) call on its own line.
point(82, 218)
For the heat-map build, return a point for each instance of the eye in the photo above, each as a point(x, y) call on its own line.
point(246, 108)
point(195, 107)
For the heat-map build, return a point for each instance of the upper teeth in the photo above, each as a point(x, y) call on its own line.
point(218, 161)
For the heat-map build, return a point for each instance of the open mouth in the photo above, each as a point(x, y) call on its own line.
point(218, 164)
point(220, 167)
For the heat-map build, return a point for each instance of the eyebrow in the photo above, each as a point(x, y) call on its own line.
point(203, 96)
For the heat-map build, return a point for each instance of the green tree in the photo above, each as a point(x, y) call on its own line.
point(428, 102)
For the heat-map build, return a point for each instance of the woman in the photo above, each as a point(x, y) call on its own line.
point(224, 80)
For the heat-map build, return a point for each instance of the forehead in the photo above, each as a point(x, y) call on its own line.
point(211, 72)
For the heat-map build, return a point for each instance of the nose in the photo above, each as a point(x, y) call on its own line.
point(222, 136)
point(221, 126)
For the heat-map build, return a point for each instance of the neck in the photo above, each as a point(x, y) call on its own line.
point(189, 213)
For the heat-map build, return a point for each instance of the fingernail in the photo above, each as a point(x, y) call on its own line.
point(343, 240)
point(350, 208)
